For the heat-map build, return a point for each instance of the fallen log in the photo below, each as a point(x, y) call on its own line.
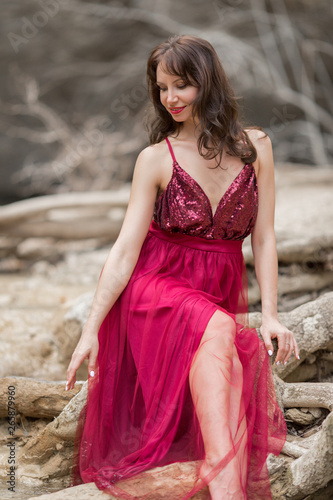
point(35, 398)
point(316, 395)
point(36, 207)
point(67, 230)
point(303, 249)
point(300, 284)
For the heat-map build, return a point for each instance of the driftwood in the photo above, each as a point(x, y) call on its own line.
point(313, 249)
point(49, 453)
point(38, 207)
point(35, 398)
point(70, 230)
point(67, 216)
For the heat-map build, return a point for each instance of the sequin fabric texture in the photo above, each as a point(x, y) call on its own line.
point(183, 207)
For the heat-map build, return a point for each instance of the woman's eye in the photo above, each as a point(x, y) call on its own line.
point(179, 86)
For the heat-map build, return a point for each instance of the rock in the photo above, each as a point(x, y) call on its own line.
point(316, 412)
point(68, 332)
point(37, 248)
point(299, 417)
point(83, 492)
point(30, 311)
point(160, 483)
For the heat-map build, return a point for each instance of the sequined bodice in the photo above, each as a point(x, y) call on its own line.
point(184, 207)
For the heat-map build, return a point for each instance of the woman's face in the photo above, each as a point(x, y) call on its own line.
point(175, 95)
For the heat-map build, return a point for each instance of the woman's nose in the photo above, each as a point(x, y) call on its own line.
point(172, 97)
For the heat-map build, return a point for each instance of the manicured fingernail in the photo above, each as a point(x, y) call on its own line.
point(285, 363)
point(270, 352)
point(298, 357)
point(66, 386)
point(278, 362)
point(92, 373)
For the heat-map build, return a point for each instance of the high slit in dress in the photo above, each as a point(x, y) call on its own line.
point(139, 412)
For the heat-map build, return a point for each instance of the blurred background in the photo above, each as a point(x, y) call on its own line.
point(73, 90)
point(73, 101)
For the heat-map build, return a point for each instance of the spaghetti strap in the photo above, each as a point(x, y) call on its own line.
point(171, 150)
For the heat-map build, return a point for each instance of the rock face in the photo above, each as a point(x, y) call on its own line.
point(69, 116)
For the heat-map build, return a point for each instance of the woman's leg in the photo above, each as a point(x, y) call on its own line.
point(216, 386)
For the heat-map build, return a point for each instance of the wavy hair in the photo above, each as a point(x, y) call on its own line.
point(215, 107)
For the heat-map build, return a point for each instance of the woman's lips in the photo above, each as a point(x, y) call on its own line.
point(175, 111)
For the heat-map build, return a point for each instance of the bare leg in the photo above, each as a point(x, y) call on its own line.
point(218, 405)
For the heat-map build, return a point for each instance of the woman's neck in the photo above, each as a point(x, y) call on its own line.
point(188, 132)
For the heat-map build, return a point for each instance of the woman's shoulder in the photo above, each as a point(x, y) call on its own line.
point(257, 134)
point(263, 144)
point(154, 152)
point(154, 160)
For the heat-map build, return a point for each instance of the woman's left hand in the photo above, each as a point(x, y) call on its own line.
point(272, 328)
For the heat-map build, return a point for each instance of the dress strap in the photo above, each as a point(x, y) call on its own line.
point(171, 150)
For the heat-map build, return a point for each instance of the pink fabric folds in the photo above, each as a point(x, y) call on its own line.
point(140, 412)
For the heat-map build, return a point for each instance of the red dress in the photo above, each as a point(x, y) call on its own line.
point(139, 412)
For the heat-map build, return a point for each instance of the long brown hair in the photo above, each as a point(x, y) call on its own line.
point(197, 63)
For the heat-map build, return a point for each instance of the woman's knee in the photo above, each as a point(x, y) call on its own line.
point(221, 328)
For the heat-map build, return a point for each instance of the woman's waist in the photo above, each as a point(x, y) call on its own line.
point(198, 242)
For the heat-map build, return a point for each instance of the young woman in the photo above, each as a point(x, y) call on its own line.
point(175, 373)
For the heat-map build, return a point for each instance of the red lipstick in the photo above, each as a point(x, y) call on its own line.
point(175, 111)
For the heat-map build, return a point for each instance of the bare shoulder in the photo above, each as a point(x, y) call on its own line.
point(258, 137)
point(154, 160)
point(154, 152)
point(263, 145)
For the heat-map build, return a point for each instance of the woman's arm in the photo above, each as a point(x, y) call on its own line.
point(265, 256)
point(121, 260)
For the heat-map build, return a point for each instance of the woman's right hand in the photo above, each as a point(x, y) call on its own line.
point(87, 348)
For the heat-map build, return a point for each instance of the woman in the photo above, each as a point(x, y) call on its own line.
point(175, 372)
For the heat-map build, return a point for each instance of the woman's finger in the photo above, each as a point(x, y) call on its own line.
point(76, 361)
point(291, 346)
point(282, 350)
point(296, 350)
point(285, 342)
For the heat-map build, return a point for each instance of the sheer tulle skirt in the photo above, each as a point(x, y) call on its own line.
point(140, 412)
